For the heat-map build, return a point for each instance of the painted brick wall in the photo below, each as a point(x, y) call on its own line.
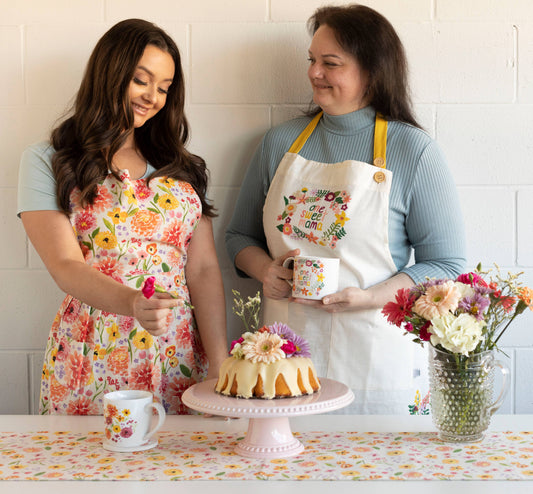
point(471, 67)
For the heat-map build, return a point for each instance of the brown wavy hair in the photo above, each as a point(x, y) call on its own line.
point(102, 119)
point(373, 42)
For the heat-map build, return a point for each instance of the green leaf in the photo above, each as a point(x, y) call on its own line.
point(96, 232)
point(185, 370)
point(139, 282)
point(109, 225)
point(165, 267)
point(280, 227)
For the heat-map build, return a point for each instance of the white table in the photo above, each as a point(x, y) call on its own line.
point(326, 423)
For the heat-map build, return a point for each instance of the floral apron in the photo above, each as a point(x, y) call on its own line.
point(341, 210)
point(130, 232)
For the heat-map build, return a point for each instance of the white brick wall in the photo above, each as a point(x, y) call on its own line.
point(471, 67)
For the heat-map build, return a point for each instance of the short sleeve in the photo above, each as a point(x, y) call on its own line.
point(36, 185)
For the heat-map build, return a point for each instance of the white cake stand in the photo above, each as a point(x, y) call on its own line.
point(269, 433)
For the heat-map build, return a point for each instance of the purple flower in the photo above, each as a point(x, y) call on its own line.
point(476, 305)
point(302, 347)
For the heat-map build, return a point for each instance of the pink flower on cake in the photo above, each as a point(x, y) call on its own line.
point(262, 347)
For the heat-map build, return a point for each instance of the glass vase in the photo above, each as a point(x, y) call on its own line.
point(461, 396)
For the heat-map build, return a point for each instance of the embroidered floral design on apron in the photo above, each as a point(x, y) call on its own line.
point(358, 348)
point(317, 215)
point(131, 231)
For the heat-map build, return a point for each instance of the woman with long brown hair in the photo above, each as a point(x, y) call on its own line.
point(376, 187)
point(111, 201)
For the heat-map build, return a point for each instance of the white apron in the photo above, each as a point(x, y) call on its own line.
point(341, 210)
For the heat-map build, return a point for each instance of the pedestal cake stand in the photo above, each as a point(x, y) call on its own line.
point(269, 433)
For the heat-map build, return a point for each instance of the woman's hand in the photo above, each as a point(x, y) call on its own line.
point(152, 313)
point(350, 298)
point(353, 298)
point(276, 278)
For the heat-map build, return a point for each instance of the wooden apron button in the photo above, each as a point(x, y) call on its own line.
point(379, 177)
point(379, 161)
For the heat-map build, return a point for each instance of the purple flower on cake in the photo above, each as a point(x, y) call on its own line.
point(301, 345)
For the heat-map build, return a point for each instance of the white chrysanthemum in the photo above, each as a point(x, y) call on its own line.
point(458, 334)
point(263, 347)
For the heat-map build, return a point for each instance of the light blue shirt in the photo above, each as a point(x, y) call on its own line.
point(424, 209)
point(37, 184)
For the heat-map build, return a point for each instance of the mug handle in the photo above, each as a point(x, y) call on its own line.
point(505, 387)
point(160, 419)
point(286, 264)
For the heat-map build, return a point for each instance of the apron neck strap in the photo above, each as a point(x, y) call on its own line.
point(380, 139)
point(298, 144)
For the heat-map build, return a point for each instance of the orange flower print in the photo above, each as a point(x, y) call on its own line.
point(83, 329)
point(173, 233)
point(71, 312)
point(174, 258)
point(145, 376)
point(176, 389)
point(103, 200)
point(151, 249)
point(117, 361)
point(78, 370)
point(287, 229)
point(170, 351)
point(187, 188)
point(145, 223)
point(57, 390)
point(110, 267)
point(82, 406)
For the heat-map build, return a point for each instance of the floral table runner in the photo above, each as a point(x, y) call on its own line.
point(45, 455)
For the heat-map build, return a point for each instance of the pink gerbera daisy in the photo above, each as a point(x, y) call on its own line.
point(396, 312)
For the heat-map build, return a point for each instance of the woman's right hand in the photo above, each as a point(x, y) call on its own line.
point(276, 278)
point(152, 313)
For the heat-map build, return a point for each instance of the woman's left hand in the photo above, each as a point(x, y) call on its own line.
point(350, 298)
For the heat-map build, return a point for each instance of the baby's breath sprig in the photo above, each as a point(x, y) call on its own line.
point(248, 311)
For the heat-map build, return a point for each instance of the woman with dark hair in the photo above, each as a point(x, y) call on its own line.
point(111, 201)
point(383, 189)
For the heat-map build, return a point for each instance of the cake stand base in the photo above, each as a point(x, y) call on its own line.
point(269, 433)
point(269, 438)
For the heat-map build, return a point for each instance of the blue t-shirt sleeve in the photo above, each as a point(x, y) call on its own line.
point(36, 185)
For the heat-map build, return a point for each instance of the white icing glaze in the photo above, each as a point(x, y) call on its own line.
point(247, 373)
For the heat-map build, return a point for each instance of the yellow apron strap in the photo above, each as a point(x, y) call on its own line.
point(298, 144)
point(380, 141)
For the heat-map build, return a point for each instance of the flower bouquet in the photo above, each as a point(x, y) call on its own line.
point(462, 320)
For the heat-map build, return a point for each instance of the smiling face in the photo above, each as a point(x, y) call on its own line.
point(150, 83)
point(339, 84)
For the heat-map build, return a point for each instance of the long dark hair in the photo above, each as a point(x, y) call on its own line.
point(372, 41)
point(102, 119)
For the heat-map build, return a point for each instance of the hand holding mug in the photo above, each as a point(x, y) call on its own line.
point(313, 277)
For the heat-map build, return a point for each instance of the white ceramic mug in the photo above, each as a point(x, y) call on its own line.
point(313, 277)
point(128, 416)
